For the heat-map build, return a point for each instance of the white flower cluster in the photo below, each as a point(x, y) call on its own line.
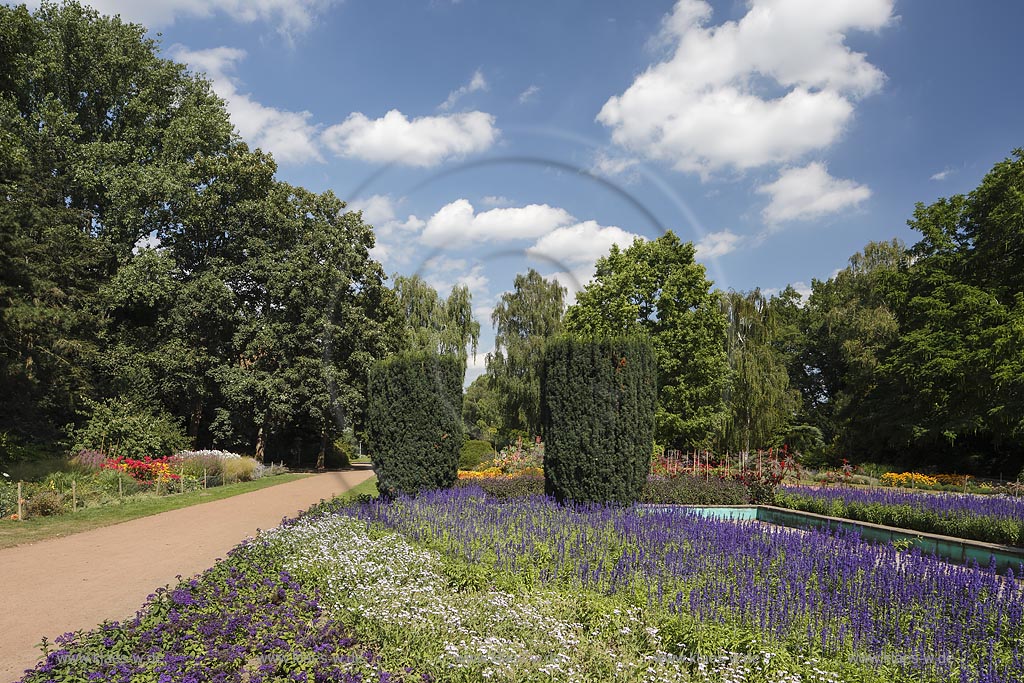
point(398, 598)
point(223, 455)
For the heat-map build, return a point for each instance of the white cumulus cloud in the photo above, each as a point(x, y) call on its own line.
point(459, 223)
point(582, 243)
point(393, 244)
point(424, 141)
point(809, 192)
point(715, 244)
point(766, 89)
point(288, 135)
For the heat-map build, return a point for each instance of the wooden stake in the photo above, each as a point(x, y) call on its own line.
point(74, 496)
point(204, 478)
point(21, 515)
point(120, 488)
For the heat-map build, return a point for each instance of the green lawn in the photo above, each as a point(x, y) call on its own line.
point(368, 487)
point(40, 528)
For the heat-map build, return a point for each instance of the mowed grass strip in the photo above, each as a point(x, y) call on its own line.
point(34, 529)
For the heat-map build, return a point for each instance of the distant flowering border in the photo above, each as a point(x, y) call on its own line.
point(989, 518)
point(145, 469)
point(907, 479)
point(497, 473)
point(222, 455)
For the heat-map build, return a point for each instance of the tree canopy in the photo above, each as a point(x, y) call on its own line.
point(656, 289)
point(150, 256)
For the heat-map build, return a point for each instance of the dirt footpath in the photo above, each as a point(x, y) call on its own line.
point(65, 584)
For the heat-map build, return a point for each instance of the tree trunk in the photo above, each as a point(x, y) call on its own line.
point(260, 444)
point(197, 416)
point(322, 455)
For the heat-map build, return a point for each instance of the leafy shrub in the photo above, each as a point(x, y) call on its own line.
point(505, 488)
point(209, 464)
point(45, 503)
point(687, 489)
point(474, 452)
point(597, 408)
point(414, 421)
point(341, 453)
point(8, 498)
point(122, 429)
point(114, 483)
point(239, 469)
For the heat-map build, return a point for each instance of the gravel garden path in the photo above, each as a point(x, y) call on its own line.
point(76, 582)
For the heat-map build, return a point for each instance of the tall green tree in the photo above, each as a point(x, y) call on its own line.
point(656, 288)
point(258, 310)
point(852, 325)
point(445, 326)
point(525, 319)
point(97, 134)
point(761, 404)
point(481, 409)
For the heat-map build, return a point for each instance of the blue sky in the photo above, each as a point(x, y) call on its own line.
point(483, 138)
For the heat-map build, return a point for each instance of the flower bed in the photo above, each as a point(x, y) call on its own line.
point(243, 620)
point(96, 480)
point(451, 587)
point(907, 614)
point(145, 469)
point(993, 519)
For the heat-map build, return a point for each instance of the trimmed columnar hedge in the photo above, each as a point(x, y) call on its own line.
point(414, 421)
point(597, 406)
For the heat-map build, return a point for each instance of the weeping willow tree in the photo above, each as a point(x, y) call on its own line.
point(444, 326)
point(761, 404)
point(525, 319)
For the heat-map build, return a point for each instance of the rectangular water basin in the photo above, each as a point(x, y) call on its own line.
point(949, 548)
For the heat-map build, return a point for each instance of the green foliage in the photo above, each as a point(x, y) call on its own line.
point(8, 498)
point(760, 401)
point(474, 452)
point(256, 315)
point(481, 409)
point(657, 289)
point(238, 469)
point(598, 409)
point(45, 503)
point(507, 488)
point(444, 326)
point(525, 319)
point(124, 429)
point(414, 421)
point(808, 443)
point(687, 489)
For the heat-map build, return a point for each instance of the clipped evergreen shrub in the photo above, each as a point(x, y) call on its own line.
point(475, 452)
point(414, 421)
point(597, 408)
